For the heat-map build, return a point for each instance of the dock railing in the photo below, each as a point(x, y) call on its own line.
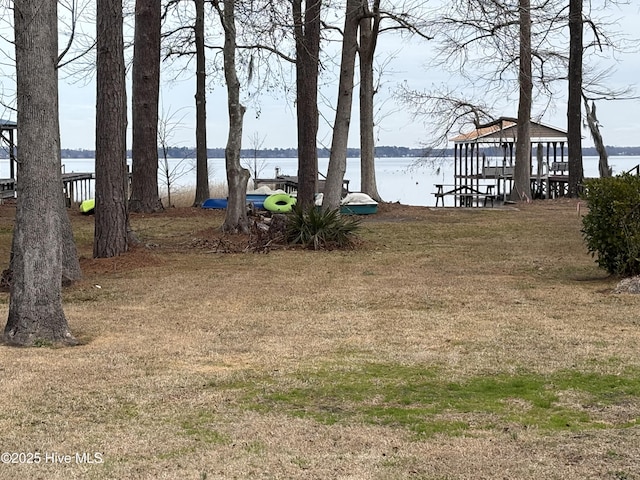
point(635, 170)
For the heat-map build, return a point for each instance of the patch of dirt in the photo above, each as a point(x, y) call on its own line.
point(8, 209)
point(136, 257)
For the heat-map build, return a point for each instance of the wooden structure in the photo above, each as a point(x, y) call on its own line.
point(8, 130)
point(484, 162)
point(289, 183)
point(77, 187)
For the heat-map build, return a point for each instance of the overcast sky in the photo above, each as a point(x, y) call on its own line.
point(409, 62)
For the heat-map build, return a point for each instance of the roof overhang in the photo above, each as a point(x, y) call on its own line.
point(506, 130)
point(8, 124)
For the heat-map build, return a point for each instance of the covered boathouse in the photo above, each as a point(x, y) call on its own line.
point(484, 162)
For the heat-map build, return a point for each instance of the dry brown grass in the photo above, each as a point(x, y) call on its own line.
point(177, 341)
point(182, 197)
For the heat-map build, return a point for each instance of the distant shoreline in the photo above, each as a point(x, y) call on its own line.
point(381, 152)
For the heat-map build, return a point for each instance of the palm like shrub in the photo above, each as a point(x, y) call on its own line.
point(611, 229)
point(321, 229)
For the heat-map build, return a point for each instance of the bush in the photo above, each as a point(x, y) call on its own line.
point(321, 229)
point(611, 229)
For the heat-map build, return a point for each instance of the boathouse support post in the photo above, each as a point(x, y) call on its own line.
point(468, 167)
point(474, 175)
point(456, 154)
point(12, 155)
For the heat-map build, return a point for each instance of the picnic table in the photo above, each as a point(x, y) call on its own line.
point(466, 194)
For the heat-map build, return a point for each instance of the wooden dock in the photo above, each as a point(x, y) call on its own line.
point(289, 183)
point(77, 187)
point(7, 188)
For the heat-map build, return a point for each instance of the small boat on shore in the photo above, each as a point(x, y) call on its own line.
point(358, 203)
point(215, 203)
point(256, 198)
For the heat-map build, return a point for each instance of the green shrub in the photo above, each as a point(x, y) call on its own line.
point(611, 229)
point(319, 229)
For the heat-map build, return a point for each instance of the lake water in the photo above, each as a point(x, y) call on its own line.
point(409, 181)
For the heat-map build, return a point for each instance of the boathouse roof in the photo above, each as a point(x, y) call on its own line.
point(506, 130)
point(7, 124)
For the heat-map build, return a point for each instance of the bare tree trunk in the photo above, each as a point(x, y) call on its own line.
point(369, 29)
point(574, 103)
point(112, 220)
point(522, 169)
point(594, 128)
point(35, 305)
point(146, 89)
point(237, 177)
point(202, 167)
point(307, 35)
point(339, 142)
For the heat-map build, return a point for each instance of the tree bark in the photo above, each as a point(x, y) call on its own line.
point(202, 166)
point(369, 29)
point(235, 219)
point(71, 271)
point(339, 142)
point(111, 219)
point(522, 170)
point(574, 103)
point(146, 89)
point(307, 35)
point(598, 142)
point(35, 305)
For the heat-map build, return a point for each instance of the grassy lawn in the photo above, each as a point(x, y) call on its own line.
point(450, 344)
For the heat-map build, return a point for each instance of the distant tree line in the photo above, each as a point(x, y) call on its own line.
point(188, 152)
point(381, 152)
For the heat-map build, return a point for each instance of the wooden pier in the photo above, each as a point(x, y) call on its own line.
point(7, 188)
point(77, 187)
point(289, 183)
